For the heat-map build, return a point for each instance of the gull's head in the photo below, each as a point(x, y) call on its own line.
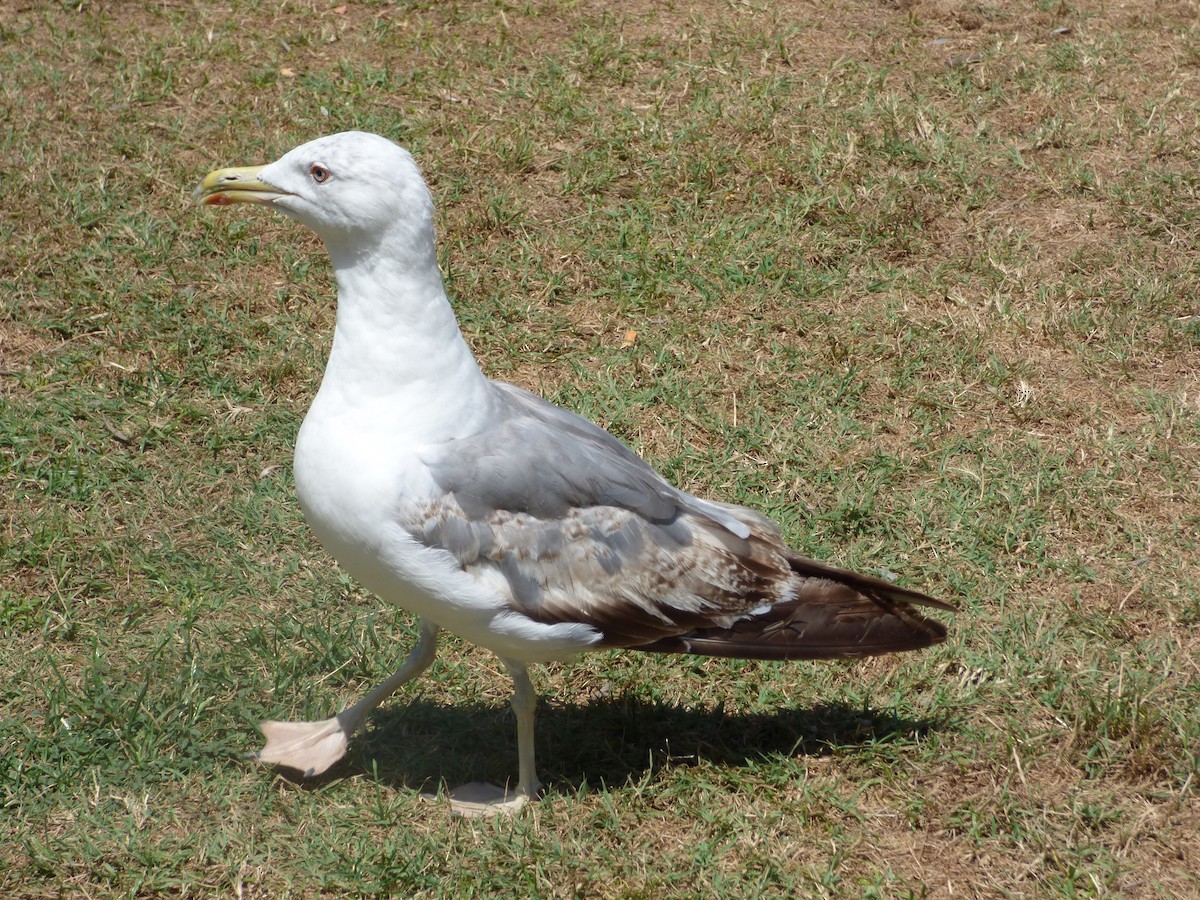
point(350, 188)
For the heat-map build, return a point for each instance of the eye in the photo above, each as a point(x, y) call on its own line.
point(319, 173)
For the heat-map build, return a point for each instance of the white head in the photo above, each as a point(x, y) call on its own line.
point(356, 190)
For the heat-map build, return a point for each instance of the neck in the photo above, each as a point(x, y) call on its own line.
point(398, 355)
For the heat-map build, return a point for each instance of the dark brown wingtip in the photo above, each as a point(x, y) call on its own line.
point(811, 568)
point(835, 614)
point(805, 635)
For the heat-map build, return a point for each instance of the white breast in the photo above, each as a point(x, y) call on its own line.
point(351, 479)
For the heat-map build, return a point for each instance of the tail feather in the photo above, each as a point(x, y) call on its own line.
point(834, 614)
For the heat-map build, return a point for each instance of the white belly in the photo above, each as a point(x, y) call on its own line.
point(352, 485)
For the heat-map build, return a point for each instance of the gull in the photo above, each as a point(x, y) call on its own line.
point(487, 511)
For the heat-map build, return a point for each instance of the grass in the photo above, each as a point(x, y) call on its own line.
point(917, 279)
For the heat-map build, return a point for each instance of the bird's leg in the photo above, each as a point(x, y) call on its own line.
point(478, 799)
point(524, 704)
point(312, 747)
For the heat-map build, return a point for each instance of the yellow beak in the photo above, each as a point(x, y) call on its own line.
point(236, 185)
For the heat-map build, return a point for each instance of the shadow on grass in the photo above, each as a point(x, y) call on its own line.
point(609, 741)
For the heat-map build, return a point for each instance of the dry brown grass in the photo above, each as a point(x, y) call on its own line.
point(973, 357)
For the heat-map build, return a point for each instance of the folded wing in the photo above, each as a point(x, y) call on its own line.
point(575, 527)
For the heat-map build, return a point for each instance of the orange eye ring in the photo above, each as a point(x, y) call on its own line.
point(319, 173)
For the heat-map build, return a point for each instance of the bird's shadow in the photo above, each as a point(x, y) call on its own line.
point(606, 741)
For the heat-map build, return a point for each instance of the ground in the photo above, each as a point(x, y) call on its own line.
point(918, 279)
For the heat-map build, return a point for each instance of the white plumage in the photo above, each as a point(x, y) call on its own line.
point(489, 512)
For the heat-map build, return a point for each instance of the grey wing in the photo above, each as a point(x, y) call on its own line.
point(546, 460)
point(582, 530)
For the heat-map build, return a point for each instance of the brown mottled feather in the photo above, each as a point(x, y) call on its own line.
point(596, 537)
point(835, 614)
